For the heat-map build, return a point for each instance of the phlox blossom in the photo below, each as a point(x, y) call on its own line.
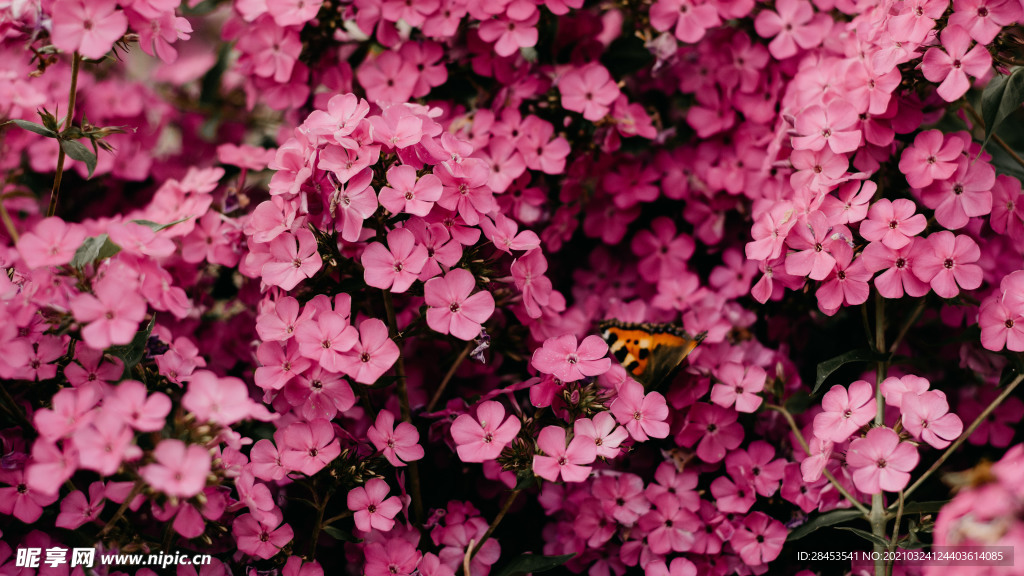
point(642, 415)
point(568, 362)
point(180, 470)
point(399, 444)
point(373, 355)
point(396, 266)
point(451, 309)
point(845, 410)
point(879, 461)
point(112, 313)
point(927, 417)
point(52, 242)
point(373, 510)
point(570, 462)
point(483, 438)
point(89, 27)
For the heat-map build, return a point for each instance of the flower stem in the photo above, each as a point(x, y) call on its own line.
point(448, 376)
point(12, 231)
point(967, 434)
point(494, 525)
point(403, 397)
point(76, 63)
point(899, 518)
point(877, 516)
point(318, 525)
point(803, 444)
point(136, 490)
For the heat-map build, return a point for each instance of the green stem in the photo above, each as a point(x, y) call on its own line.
point(12, 231)
point(334, 519)
point(906, 326)
point(136, 489)
point(967, 434)
point(448, 376)
point(15, 410)
point(899, 518)
point(877, 516)
point(807, 449)
point(318, 525)
point(403, 397)
point(494, 525)
point(76, 63)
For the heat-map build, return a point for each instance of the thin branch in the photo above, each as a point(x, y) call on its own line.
point(12, 231)
point(136, 490)
point(807, 449)
point(494, 525)
point(76, 63)
point(899, 518)
point(449, 375)
point(963, 437)
point(1002, 143)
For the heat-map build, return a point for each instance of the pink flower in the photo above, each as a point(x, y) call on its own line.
point(76, 509)
point(927, 417)
point(51, 242)
point(879, 461)
point(327, 340)
point(603, 430)
point(223, 401)
point(509, 35)
point(845, 411)
point(691, 20)
point(142, 240)
point(714, 427)
point(738, 385)
point(451, 308)
point(791, 28)
point(400, 444)
point(811, 241)
point(759, 539)
point(898, 265)
point(948, 264)
point(569, 462)
point(561, 357)
point(396, 266)
point(892, 222)
point(180, 470)
point(373, 511)
point(833, 126)
point(967, 194)
point(293, 258)
point(932, 157)
point(410, 194)
point(89, 27)
point(393, 557)
point(1001, 327)
point(22, 499)
point(309, 446)
point(669, 526)
point(895, 389)
point(983, 19)
point(483, 438)
point(643, 415)
point(112, 315)
point(280, 362)
point(589, 90)
point(260, 538)
point(373, 355)
point(952, 66)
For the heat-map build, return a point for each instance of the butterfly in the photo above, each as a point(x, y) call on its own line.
point(651, 353)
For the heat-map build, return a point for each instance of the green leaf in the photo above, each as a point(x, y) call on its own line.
point(340, 535)
point(799, 403)
point(525, 479)
point(133, 352)
point(156, 227)
point(866, 535)
point(1002, 97)
point(33, 127)
point(531, 563)
point(826, 368)
point(79, 152)
point(88, 251)
point(822, 520)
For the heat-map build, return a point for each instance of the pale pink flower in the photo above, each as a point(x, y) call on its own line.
point(879, 461)
point(373, 510)
point(396, 266)
point(561, 357)
point(569, 462)
point(373, 355)
point(52, 242)
point(451, 309)
point(643, 415)
point(180, 470)
point(845, 411)
point(399, 444)
point(484, 437)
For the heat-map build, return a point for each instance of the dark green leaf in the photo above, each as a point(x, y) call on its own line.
point(79, 152)
point(866, 535)
point(340, 535)
point(799, 403)
point(931, 507)
point(822, 520)
point(88, 251)
point(827, 367)
point(1002, 97)
point(156, 227)
point(531, 564)
point(525, 479)
point(133, 352)
point(33, 127)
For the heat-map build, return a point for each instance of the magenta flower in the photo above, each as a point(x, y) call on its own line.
point(52, 242)
point(845, 411)
point(143, 413)
point(223, 401)
point(483, 438)
point(607, 435)
point(373, 355)
point(392, 557)
point(569, 462)
point(669, 526)
point(810, 241)
point(399, 444)
point(21, 499)
point(589, 90)
point(561, 357)
point(180, 470)
point(309, 446)
point(738, 385)
point(947, 263)
point(293, 258)
point(791, 27)
point(833, 126)
point(879, 461)
point(952, 66)
point(111, 316)
point(983, 19)
point(261, 538)
point(279, 364)
point(892, 223)
point(1001, 327)
point(451, 308)
point(373, 510)
point(89, 27)
point(899, 277)
point(76, 509)
point(927, 417)
point(965, 195)
point(895, 389)
point(326, 340)
point(689, 19)
point(396, 266)
point(714, 427)
point(759, 539)
point(410, 194)
point(643, 415)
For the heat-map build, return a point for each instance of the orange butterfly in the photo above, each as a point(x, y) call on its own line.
point(651, 353)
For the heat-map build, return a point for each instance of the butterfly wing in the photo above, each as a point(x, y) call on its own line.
point(651, 353)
